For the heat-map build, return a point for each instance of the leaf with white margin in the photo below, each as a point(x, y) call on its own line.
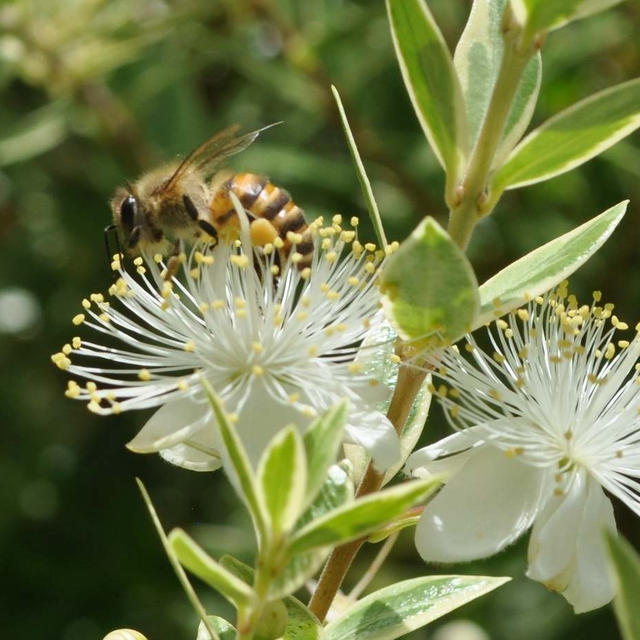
point(226, 630)
point(302, 624)
point(282, 479)
point(430, 79)
point(477, 62)
point(625, 564)
point(193, 557)
point(546, 266)
point(538, 16)
point(429, 291)
point(572, 137)
point(396, 610)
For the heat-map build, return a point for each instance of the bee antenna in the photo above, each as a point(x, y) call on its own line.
point(131, 189)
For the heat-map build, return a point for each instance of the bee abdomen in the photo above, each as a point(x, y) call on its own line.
point(265, 200)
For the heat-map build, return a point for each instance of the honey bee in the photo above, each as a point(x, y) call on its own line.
point(191, 199)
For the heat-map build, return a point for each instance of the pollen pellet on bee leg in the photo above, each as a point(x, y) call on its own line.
point(262, 232)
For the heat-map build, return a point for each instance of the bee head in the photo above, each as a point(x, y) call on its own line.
point(129, 218)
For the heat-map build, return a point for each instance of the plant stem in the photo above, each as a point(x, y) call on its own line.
point(407, 387)
point(473, 200)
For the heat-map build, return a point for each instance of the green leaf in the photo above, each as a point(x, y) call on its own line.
point(477, 61)
point(244, 480)
point(282, 477)
point(430, 80)
point(336, 491)
point(362, 516)
point(224, 629)
point(403, 607)
point(430, 293)
point(625, 563)
point(572, 137)
point(301, 624)
point(546, 266)
point(193, 557)
point(321, 443)
point(175, 563)
point(365, 185)
point(539, 16)
point(408, 519)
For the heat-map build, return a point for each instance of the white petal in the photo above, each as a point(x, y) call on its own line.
point(447, 456)
point(373, 431)
point(590, 586)
point(172, 423)
point(198, 458)
point(485, 507)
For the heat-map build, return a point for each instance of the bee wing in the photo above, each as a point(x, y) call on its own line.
point(208, 157)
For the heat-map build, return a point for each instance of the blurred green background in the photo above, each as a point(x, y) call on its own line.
point(95, 91)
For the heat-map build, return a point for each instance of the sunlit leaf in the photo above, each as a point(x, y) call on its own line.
point(429, 289)
point(225, 630)
point(193, 557)
point(477, 62)
point(282, 478)
point(430, 79)
point(546, 266)
point(362, 516)
point(572, 137)
point(405, 606)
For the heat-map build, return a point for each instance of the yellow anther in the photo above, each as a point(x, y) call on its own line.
point(333, 295)
point(233, 417)
point(324, 287)
point(501, 324)
point(354, 221)
point(357, 247)
point(305, 301)
point(144, 375)
point(94, 407)
point(353, 281)
point(508, 334)
point(157, 258)
point(294, 238)
point(354, 367)
point(195, 273)
point(104, 317)
point(623, 344)
point(312, 351)
point(296, 257)
point(76, 342)
point(66, 349)
point(294, 397)
point(597, 296)
point(305, 274)
point(275, 269)
point(60, 360)
point(302, 316)
point(331, 256)
point(78, 319)
point(138, 261)
point(498, 357)
point(189, 346)
point(347, 236)
point(469, 347)
point(257, 347)
point(370, 268)
point(395, 358)
point(370, 247)
point(610, 351)
point(494, 393)
point(204, 307)
point(523, 353)
point(241, 313)
point(278, 243)
point(337, 219)
point(73, 390)
point(200, 258)
point(98, 298)
point(86, 304)
point(182, 385)
point(268, 249)
point(241, 261)
point(91, 386)
point(240, 303)
point(257, 370)
point(310, 412)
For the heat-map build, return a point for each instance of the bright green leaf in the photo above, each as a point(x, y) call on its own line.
point(365, 185)
point(225, 630)
point(546, 266)
point(403, 607)
point(362, 516)
point(572, 137)
point(282, 477)
point(193, 557)
point(301, 624)
point(625, 563)
point(321, 443)
point(244, 480)
point(477, 61)
point(430, 293)
point(539, 16)
point(409, 519)
point(336, 491)
point(430, 79)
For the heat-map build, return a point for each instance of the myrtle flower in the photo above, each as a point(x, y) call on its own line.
point(277, 342)
point(548, 422)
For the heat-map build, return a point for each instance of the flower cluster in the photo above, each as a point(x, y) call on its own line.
point(546, 423)
point(277, 342)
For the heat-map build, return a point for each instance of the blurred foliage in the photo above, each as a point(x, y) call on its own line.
point(95, 91)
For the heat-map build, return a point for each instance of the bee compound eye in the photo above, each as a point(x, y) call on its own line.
point(128, 210)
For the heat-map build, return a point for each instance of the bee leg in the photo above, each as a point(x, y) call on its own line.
point(208, 228)
point(112, 230)
point(173, 263)
point(190, 207)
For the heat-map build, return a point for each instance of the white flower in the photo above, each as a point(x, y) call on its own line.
point(276, 342)
point(549, 420)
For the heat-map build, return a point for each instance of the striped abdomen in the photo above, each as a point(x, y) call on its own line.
point(262, 199)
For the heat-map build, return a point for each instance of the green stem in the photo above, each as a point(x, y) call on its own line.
point(473, 200)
